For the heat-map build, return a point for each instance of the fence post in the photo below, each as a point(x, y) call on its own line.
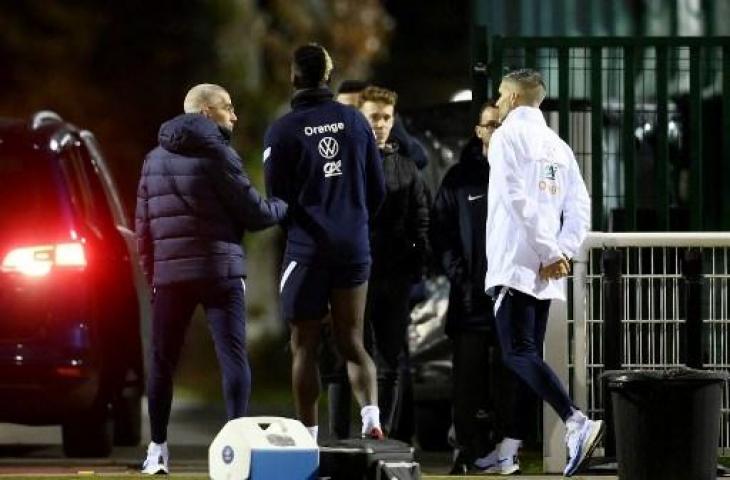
point(613, 303)
point(555, 355)
point(693, 289)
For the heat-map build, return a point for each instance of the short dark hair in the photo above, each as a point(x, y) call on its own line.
point(490, 103)
point(311, 65)
point(352, 86)
point(526, 76)
point(530, 82)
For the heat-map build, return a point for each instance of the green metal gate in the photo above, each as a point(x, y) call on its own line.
point(648, 119)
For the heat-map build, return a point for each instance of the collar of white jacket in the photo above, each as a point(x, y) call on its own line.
point(524, 113)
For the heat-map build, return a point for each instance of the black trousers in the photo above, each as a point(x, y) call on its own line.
point(489, 400)
point(172, 308)
point(473, 406)
point(521, 321)
point(387, 315)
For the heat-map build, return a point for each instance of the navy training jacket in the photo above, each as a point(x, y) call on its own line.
point(322, 159)
point(457, 232)
point(194, 202)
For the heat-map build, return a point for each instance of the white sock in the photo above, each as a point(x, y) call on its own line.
point(370, 418)
point(313, 431)
point(160, 446)
point(576, 419)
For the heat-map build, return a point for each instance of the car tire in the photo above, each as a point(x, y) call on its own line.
point(433, 420)
point(89, 435)
point(127, 411)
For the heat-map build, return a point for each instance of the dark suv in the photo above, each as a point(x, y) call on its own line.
point(70, 292)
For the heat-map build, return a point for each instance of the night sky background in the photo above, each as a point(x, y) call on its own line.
point(121, 68)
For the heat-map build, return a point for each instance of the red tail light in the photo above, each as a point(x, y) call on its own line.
point(38, 261)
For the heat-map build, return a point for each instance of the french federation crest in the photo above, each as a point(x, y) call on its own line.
point(550, 171)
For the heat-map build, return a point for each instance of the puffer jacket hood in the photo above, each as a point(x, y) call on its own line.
point(194, 202)
point(472, 152)
point(189, 133)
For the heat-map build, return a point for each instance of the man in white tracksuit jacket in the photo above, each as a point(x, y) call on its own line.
point(538, 215)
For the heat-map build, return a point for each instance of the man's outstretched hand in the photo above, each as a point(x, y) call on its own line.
point(555, 270)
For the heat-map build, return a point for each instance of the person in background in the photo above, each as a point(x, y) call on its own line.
point(538, 215)
point(409, 146)
point(457, 234)
point(349, 92)
point(400, 248)
point(194, 202)
point(332, 366)
point(322, 158)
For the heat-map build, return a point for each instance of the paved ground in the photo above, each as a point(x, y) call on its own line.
point(36, 451)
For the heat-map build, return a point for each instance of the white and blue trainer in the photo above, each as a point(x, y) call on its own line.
point(502, 460)
point(157, 460)
point(581, 438)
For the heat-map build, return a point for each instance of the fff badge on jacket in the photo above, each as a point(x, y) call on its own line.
point(548, 180)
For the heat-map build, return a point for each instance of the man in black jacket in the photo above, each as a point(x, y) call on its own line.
point(458, 222)
point(322, 159)
point(350, 92)
point(400, 245)
point(194, 202)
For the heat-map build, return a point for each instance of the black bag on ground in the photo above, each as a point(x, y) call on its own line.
point(367, 459)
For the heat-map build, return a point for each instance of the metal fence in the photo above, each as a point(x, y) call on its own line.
point(653, 324)
point(646, 116)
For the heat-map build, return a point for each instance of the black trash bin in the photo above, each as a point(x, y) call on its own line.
point(667, 423)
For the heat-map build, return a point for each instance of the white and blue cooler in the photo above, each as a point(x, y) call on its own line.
point(263, 448)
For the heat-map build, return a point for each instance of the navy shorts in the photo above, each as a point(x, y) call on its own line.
point(305, 289)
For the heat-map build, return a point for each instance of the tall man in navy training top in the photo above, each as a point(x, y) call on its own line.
point(323, 160)
point(534, 180)
point(194, 202)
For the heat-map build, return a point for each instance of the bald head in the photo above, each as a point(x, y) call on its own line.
point(523, 87)
point(213, 101)
point(201, 96)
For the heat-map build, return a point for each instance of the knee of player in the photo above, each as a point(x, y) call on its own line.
point(513, 357)
point(350, 347)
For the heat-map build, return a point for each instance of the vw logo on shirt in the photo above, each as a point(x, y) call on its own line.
point(328, 148)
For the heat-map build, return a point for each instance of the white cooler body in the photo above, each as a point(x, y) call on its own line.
point(263, 448)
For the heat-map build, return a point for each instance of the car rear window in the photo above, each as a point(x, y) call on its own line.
point(30, 197)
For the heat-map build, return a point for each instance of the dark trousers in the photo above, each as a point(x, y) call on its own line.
point(387, 315)
point(172, 309)
point(473, 407)
point(521, 321)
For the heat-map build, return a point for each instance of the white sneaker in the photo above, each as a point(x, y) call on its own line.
point(505, 466)
point(502, 460)
point(581, 438)
point(157, 459)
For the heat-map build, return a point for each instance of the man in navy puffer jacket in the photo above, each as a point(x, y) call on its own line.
point(194, 203)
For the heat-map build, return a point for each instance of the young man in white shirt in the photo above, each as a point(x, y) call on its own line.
point(538, 215)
